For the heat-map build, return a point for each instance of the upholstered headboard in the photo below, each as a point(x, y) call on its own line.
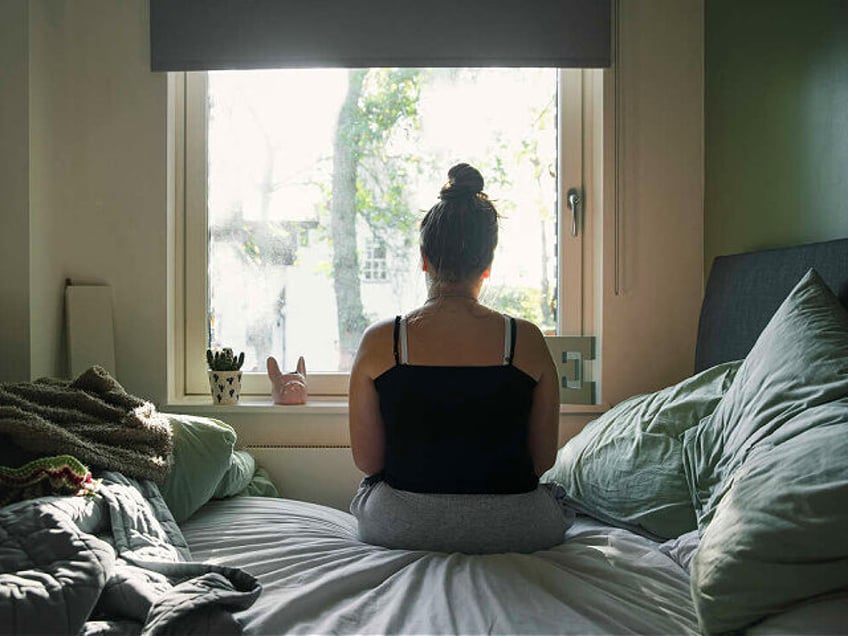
point(744, 290)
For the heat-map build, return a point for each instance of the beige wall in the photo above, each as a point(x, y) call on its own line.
point(14, 191)
point(98, 198)
point(98, 180)
point(649, 326)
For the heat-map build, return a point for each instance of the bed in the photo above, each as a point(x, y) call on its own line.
point(716, 505)
point(614, 573)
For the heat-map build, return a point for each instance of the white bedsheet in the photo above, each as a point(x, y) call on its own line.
point(319, 579)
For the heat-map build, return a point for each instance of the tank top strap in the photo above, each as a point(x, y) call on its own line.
point(395, 345)
point(404, 348)
point(509, 339)
point(401, 351)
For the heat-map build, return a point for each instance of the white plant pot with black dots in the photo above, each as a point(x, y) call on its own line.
point(225, 386)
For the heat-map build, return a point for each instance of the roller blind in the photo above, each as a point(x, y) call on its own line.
point(194, 35)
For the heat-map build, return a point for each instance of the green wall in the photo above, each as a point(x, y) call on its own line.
point(776, 123)
point(14, 191)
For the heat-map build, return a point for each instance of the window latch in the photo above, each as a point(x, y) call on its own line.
point(573, 200)
point(570, 354)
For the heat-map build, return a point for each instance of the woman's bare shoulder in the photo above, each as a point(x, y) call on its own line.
point(375, 353)
point(380, 328)
point(531, 351)
point(529, 330)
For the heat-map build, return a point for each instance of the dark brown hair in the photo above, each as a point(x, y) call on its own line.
point(459, 234)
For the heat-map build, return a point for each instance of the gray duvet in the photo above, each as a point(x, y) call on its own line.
point(112, 564)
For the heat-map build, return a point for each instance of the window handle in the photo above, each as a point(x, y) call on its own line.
point(573, 199)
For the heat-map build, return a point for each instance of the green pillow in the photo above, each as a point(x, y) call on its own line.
point(203, 448)
point(768, 469)
point(260, 486)
point(238, 475)
point(799, 361)
point(626, 467)
point(779, 535)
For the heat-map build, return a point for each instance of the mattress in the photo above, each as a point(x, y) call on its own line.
point(318, 578)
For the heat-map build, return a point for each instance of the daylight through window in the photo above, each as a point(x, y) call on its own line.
point(316, 181)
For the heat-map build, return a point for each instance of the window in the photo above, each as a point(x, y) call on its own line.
point(375, 269)
point(304, 190)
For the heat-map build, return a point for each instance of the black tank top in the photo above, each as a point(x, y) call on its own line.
point(456, 429)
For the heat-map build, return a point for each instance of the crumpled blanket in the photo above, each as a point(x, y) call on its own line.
point(112, 564)
point(93, 419)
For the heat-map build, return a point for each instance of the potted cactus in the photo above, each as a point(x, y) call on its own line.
point(224, 375)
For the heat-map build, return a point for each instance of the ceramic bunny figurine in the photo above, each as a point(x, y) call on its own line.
point(287, 388)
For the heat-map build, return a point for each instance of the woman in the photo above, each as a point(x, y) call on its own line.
point(454, 407)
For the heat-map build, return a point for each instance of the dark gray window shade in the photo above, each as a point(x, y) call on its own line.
point(188, 35)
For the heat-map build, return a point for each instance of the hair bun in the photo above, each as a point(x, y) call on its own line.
point(464, 180)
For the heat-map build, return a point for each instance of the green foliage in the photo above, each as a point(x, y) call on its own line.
point(387, 112)
point(389, 103)
point(385, 206)
point(519, 302)
point(224, 360)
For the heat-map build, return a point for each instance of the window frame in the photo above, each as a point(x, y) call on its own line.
point(577, 110)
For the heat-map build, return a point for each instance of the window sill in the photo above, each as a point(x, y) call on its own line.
point(192, 404)
point(261, 424)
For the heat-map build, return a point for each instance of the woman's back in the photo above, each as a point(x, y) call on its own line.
point(456, 428)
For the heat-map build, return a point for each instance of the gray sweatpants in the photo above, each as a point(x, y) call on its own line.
point(473, 524)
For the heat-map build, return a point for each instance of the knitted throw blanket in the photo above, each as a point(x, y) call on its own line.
point(93, 419)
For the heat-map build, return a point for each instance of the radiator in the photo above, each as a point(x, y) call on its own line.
point(320, 474)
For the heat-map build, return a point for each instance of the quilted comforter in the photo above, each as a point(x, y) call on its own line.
point(115, 563)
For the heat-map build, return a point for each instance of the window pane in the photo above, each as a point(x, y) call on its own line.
point(317, 180)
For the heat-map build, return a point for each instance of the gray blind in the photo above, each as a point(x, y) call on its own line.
point(194, 35)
